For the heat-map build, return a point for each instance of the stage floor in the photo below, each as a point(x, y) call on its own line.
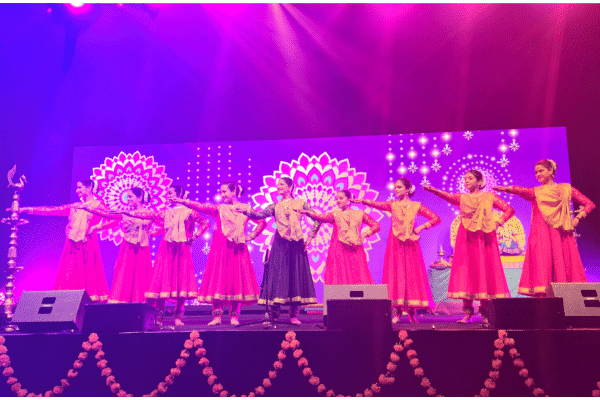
point(455, 358)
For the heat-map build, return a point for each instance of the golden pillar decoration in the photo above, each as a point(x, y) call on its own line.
point(14, 221)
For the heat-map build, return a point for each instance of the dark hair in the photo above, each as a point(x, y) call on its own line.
point(88, 183)
point(550, 165)
point(288, 181)
point(346, 193)
point(140, 194)
point(236, 188)
point(478, 175)
point(179, 191)
point(408, 185)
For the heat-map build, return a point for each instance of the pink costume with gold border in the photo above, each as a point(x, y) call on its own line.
point(80, 265)
point(403, 266)
point(552, 254)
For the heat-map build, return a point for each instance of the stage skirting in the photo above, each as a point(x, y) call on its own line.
point(454, 363)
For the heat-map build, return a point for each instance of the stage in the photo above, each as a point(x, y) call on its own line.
point(456, 359)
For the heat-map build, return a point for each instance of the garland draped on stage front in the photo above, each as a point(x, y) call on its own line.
point(503, 345)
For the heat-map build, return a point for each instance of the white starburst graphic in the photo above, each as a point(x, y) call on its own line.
point(503, 161)
point(436, 166)
point(206, 248)
point(425, 181)
point(391, 197)
point(447, 150)
point(468, 135)
point(412, 167)
point(514, 146)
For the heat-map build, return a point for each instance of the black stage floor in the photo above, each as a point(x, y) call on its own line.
point(457, 359)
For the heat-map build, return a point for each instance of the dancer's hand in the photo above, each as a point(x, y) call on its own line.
point(418, 229)
point(307, 243)
point(301, 211)
point(429, 188)
point(239, 208)
point(500, 188)
point(359, 201)
point(94, 229)
point(178, 200)
point(575, 222)
point(248, 238)
point(80, 206)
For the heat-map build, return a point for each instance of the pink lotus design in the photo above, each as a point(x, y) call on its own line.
point(316, 180)
point(121, 173)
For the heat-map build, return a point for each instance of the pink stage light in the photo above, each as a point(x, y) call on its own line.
point(79, 8)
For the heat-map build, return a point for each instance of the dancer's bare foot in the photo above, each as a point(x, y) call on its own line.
point(395, 319)
point(466, 319)
point(215, 321)
point(178, 322)
point(412, 319)
point(234, 320)
point(295, 321)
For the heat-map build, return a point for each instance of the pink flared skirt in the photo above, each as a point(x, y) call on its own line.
point(133, 271)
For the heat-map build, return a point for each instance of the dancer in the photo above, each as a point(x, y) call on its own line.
point(477, 272)
point(346, 260)
point(133, 268)
point(229, 277)
point(552, 254)
point(173, 276)
point(80, 265)
point(403, 266)
point(287, 278)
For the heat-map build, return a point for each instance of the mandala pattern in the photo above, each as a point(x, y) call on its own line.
point(316, 180)
point(121, 173)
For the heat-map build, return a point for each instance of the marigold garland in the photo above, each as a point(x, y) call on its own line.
point(93, 344)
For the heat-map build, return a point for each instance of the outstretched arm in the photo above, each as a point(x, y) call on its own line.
point(103, 212)
point(260, 226)
point(208, 209)
point(318, 216)
point(526, 193)
point(58, 210)
point(267, 212)
point(380, 205)
point(451, 198)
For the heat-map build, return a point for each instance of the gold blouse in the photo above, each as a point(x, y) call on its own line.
point(349, 223)
point(476, 212)
point(233, 223)
point(403, 219)
point(554, 204)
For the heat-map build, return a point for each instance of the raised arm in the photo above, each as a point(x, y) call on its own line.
point(380, 205)
point(451, 198)
point(526, 193)
point(208, 209)
point(58, 210)
point(507, 211)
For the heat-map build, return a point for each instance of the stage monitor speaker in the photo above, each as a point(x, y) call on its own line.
point(581, 301)
point(51, 311)
point(353, 292)
point(118, 317)
point(527, 313)
point(364, 314)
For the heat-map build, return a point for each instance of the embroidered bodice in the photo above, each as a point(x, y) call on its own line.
point(288, 221)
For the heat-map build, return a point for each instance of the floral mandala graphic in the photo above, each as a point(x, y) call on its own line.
point(317, 179)
point(119, 174)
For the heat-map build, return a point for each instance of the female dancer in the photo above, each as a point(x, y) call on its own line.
point(477, 272)
point(552, 254)
point(229, 275)
point(346, 260)
point(133, 268)
point(80, 265)
point(173, 276)
point(287, 278)
point(403, 267)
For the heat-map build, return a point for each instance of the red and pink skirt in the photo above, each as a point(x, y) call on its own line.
point(477, 271)
point(346, 265)
point(405, 275)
